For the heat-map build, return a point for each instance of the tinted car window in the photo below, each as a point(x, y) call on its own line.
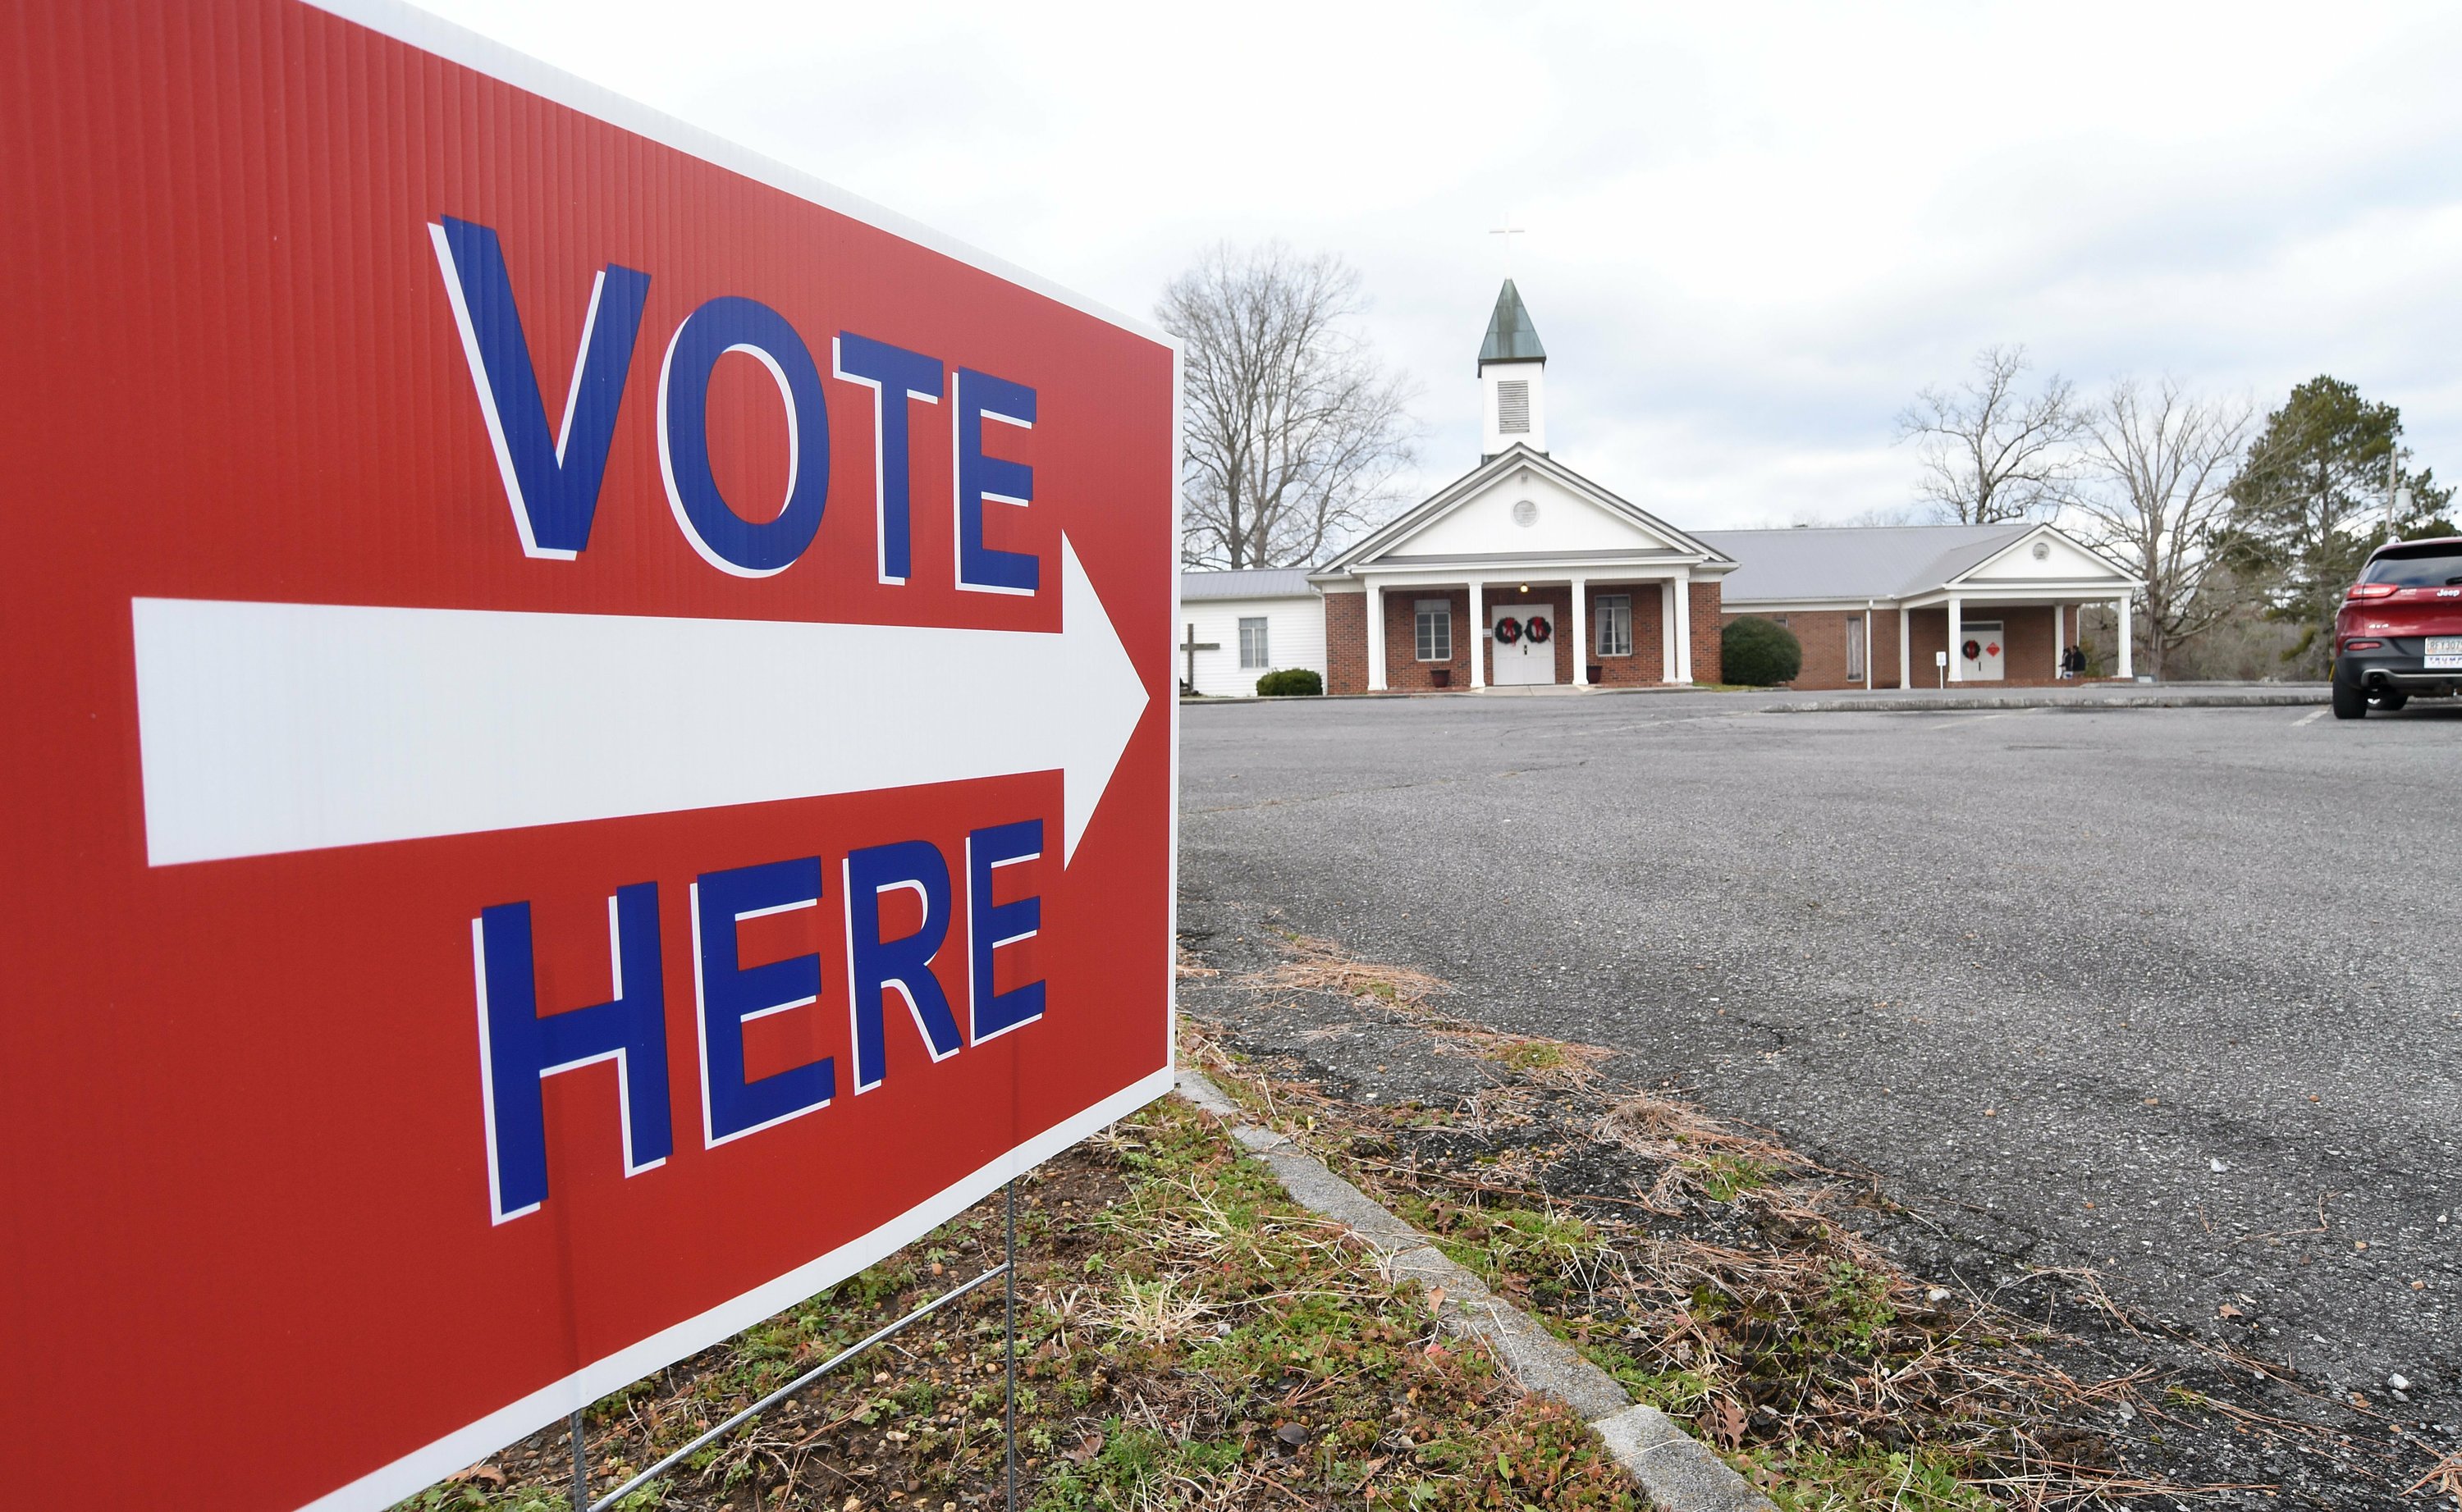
point(2427, 570)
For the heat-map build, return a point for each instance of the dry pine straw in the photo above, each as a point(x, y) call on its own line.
point(1189, 1339)
point(1720, 1284)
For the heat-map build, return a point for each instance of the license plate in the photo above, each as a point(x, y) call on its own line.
point(2445, 654)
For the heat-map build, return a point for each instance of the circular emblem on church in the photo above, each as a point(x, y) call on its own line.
point(2042, 551)
point(1526, 513)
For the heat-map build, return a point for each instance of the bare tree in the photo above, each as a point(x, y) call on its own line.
point(1292, 433)
point(1991, 453)
point(2162, 461)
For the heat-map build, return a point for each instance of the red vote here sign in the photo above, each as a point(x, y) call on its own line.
point(591, 749)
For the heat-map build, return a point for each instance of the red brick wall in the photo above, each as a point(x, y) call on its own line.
point(2028, 652)
point(1706, 662)
point(1404, 671)
point(1345, 642)
point(2027, 647)
point(1646, 666)
point(1927, 634)
point(1823, 635)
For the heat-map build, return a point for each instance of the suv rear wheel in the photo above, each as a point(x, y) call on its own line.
point(2350, 698)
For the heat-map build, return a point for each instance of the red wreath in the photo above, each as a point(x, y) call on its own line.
point(1508, 630)
point(1974, 652)
point(1540, 629)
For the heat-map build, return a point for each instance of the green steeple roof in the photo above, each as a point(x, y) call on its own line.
point(1510, 335)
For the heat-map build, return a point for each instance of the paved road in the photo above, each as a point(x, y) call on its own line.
point(2132, 988)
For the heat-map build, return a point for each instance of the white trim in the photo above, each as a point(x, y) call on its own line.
point(1376, 682)
point(1582, 647)
point(1479, 633)
point(2039, 531)
point(486, 55)
point(466, 1445)
point(1667, 631)
point(1362, 554)
point(1682, 595)
point(2020, 595)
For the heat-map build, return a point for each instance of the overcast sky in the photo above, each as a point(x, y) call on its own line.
point(1753, 231)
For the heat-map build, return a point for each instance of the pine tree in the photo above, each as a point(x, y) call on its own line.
point(2316, 496)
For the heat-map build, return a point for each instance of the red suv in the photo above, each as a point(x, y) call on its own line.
point(2400, 630)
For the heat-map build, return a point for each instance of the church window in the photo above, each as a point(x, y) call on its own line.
point(1513, 407)
point(1435, 630)
point(1252, 645)
point(1854, 650)
point(1614, 614)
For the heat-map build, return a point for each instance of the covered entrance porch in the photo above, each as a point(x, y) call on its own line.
point(1618, 627)
point(1999, 637)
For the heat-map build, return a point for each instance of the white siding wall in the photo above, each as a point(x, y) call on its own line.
point(1294, 637)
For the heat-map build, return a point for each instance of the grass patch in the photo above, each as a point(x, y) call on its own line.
point(1188, 1337)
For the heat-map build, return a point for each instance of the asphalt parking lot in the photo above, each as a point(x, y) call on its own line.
point(2170, 992)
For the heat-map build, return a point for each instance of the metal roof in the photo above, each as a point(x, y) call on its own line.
point(1255, 583)
point(1853, 562)
point(1510, 335)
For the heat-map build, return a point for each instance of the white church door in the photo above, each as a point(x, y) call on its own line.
point(1524, 643)
point(1983, 650)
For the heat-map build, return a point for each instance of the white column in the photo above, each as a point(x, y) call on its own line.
point(2060, 643)
point(1479, 633)
point(1906, 647)
point(1683, 596)
point(1667, 631)
point(1581, 633)
point(2128, 639)
point(1956, 629)
point(1375, 639)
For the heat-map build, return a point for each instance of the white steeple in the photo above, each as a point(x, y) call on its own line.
point(1513, 373)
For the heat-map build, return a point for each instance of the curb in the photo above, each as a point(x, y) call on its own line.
point(1675, 1469)
point(2289, 697)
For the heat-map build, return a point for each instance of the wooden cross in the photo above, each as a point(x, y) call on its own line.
point(1191, 646)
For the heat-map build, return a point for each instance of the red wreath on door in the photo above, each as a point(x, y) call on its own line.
point(1539, 630)
point(1508, 630)
point(1974, 652)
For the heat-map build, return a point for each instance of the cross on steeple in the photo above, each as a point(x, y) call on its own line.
point(1509, 232)
point(1191, 646)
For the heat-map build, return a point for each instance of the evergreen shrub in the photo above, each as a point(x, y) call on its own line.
point(1760, 653)
point(1290, 682)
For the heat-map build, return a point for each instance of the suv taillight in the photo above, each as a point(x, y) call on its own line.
point(2373, 590)
point(2364, 645)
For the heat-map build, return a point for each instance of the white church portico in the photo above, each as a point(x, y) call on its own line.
point(1522, 572)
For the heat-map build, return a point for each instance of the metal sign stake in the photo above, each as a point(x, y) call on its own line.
point(1008, 1272)
point(580, 1464)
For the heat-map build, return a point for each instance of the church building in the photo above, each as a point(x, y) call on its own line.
point(1524, 572)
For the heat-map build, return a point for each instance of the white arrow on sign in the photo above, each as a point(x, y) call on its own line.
point(269, 728)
